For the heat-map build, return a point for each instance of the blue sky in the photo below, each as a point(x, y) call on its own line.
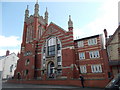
point(13, 14)
point(89, 18)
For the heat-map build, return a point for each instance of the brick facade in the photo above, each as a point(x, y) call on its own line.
point(49, 52)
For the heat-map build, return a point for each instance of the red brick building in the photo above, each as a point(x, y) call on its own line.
point(48, 51)
point(92, 57)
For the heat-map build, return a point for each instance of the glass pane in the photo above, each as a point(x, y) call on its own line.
point(58, 46)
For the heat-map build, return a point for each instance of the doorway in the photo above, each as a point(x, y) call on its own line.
point(50, 70)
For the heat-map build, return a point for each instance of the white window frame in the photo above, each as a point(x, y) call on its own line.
point(94, 54)
point(83, 69)
point(59, 53)
point(52, 41)
point(43, 55)
point(92, 41)
point(80, 43)
point(96, 68)
point(81, 55)
point(59, 63)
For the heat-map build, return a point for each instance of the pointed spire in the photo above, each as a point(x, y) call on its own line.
point(69, 17)
point(46, 8)
point(27, 7)
point(70, 23)
point(46, 16)
point(26, 13)
point(36, 10)
point(46, 12)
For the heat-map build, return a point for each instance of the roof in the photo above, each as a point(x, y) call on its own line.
point(112, 36)
point(1, 57)
point(58, 26)
point(88, 37)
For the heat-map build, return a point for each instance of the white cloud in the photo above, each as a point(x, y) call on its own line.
point(3, 51)
point(11, 41)
point(107, 19)
point(78, 33)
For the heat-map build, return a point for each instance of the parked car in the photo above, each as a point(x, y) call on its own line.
point(114, 84)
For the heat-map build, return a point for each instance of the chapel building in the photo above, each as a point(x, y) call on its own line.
point(50, 52)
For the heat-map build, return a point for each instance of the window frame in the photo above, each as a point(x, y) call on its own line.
point(26, 72)
point(92, 41)
point(26, 62)
point(80, 43)
point(94, 54)
point(82, 55)
point(83, 68)
point(51, 50)
point(96, 68)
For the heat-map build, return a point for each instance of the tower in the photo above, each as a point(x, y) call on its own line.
point(25, 29)
point(70, 24)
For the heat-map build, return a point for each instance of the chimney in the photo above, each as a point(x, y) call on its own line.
point(105, 32)
point(7, 52)
point(18, 55)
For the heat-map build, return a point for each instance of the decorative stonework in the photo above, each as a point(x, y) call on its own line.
point(41, 20)
point(30, 20)
point(36, 10)
point(51, 30)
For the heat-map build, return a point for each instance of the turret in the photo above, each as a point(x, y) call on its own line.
point(70, 24)
point(26, 13)
point(46, 16)
point(36, 10)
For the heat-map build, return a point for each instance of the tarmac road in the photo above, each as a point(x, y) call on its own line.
point(14, 86)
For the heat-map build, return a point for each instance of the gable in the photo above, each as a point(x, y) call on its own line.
point(66, 37)
point(115, 38)
point(53, 28)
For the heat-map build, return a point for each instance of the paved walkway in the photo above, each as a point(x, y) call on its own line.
point(11, 86)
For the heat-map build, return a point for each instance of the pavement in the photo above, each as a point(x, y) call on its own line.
point(15, 86)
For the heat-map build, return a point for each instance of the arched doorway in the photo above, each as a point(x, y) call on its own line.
point(50, 70)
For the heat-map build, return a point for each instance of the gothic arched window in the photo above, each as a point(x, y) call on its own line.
point(29, 34)
point(52, 48)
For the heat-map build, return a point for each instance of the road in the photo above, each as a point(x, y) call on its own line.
point(12, 86)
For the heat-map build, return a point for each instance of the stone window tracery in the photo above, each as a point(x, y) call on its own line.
point(52, 48)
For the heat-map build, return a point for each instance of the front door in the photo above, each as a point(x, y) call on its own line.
point(50, 70)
